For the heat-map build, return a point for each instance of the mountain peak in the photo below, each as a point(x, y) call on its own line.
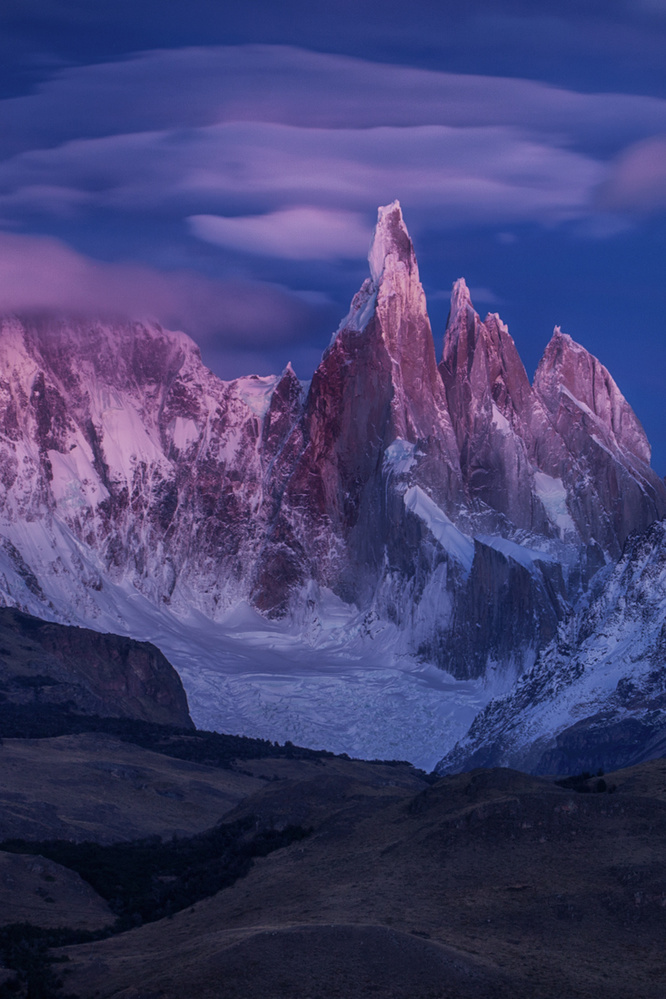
point(391, 242)
point(460, 294)
point(570, 379)
point(462, 315)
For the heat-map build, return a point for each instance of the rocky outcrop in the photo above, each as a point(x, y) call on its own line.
point(87, 672)
point(509, 603)
point(566, 457)
point(491, 403)
point(377, 384)
point(605, 461)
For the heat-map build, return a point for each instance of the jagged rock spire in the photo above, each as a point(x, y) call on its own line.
point(391, 308)
point(377, 382)
point(488, 396)
point(391, 243)
point(604, 446)
point(570, 379)
point(463, 317)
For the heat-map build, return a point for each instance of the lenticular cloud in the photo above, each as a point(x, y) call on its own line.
point(299, 233)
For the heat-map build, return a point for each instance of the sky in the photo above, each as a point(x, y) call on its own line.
point(219, 166)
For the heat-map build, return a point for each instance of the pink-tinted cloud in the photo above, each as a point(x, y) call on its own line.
point(300, 233)
point(454, 175)
point(39, 274)
point(637, 182)
point(163, 90)
point(248, 140)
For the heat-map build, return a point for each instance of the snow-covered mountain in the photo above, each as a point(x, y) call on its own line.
point(429, 524)
point(596, 696)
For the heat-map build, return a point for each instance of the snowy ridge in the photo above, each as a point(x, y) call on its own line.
point(421, 526)
point(606, 666)
point(456, 544)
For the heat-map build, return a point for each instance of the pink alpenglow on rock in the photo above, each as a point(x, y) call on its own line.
point(447, 515)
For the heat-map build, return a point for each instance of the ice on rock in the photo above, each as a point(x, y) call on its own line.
point(256, 392)
point(519, 553)
point(399, 457)
point(500, 421)
point(453, 541)
point(390, 242)
point(553, 496)
point(361, 311)
point(184, 432)
point(75, 485)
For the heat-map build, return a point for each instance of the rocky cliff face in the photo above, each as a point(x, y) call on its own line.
point(121, 436)
point(604, 462)
point(377, 387)
point(491, 403)
point(596, 696)
point(90, 673)
point(453, 503)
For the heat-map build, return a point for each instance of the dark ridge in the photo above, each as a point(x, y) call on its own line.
point(142, 881)
point(48, 721)
point(215, 749)
point(147, 879)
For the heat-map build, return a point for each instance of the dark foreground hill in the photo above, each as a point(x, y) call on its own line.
point(46, 665)
point(300, 875)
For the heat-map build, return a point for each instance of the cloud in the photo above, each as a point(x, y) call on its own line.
point(279, 152)
point(42, 274)
point(299, 179)
point(300, 233)
point(209, 85)
point(637, 181)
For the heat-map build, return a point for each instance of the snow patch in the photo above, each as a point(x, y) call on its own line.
point(601, 444)
point(256, 392)
point(361, 311)
point(399, 457)
point(523, 556)
point(75, 485)
point(578, 402)
point(126, 443)
point(553, 496)
point(500, 421)
point(183, 433)
point(454, 542)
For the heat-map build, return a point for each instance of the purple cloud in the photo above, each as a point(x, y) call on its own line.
point(483, 175)
point(195, 87)
point(300, 233)
point(637, 181)
point(278, 151)
point(38, 273)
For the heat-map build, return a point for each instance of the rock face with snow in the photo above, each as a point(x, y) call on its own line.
point(564, 456)
point(121, 436)
point(377, 384)
point(605, 459)
point(596, 696)
point(454, 503)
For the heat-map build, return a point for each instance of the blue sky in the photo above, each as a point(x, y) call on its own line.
point(219, 166)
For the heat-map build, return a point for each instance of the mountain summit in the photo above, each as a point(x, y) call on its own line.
point(444, 514)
